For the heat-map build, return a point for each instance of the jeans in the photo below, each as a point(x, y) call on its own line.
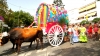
point(71, 38)
point(99, 36)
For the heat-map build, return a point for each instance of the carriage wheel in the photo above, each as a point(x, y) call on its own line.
point(55, 35)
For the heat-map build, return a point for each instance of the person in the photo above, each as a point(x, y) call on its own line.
point(82, 35)
point(90, 30)
point(66, 33)
point(75, 33)
point(70, 33)
point(99, 31)
point(95, 30)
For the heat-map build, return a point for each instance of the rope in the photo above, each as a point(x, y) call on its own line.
point(31, 24)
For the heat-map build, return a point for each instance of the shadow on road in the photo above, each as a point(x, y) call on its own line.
point(24, 49)
point(94, 50)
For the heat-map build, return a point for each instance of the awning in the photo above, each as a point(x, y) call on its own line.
point(91, 6)
point(82, 9)
point(81, 16)
point(91, 14)
point(87, 7)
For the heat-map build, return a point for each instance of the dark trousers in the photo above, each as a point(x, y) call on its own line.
point(96, 36)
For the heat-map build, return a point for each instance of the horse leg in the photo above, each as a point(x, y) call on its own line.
point(37, 40)
point(13, 42)
point(18, 49)
point(41, 42)
point(30, 44)
point(97, 36)
point(13, 45)
point(40, 36)
point(16, 46)
point(19, 46)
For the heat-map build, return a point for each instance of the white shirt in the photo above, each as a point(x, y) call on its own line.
point(70, 29)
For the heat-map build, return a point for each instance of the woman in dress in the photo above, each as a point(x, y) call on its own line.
point(75, 33)
point(82, 35)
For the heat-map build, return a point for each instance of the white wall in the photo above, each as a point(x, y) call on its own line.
point(73, 15)
point(98, 8)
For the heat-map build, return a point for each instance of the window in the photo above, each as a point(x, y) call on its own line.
point(80, 18)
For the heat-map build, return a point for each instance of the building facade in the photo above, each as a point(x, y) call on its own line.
point(87, 12)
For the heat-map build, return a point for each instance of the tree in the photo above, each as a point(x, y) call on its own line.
point(58, 2)
point(84, 22)
point(9, 18)
point(22, 18)
point(18, 18)
point(3, 7)
point(96, 20)
point(3, 10)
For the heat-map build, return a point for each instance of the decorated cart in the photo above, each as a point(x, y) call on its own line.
point(49, 17)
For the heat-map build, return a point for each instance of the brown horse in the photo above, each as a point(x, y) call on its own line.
point(19, 35)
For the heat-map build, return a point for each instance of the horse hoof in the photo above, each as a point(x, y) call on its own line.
point(42, 49)
point(29, 47)
point(35, 48)
point(12, 48)
point(16, 53)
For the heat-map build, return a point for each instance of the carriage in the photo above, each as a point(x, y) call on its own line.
point(52, 19)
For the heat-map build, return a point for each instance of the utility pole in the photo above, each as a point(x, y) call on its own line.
point(19, 15)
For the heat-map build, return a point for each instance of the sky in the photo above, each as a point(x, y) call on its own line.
point(32, 5)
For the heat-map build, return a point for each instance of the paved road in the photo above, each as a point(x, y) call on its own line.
point(91, 48)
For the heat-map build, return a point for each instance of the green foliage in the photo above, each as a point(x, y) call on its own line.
point(14, 18)
point(22, 18)
point(58, 2)
point(63, 21)
point(3, 7)
point(18, 18)
point(3, 10)
point(9, 18)
point(96, 20)
point(84, 22)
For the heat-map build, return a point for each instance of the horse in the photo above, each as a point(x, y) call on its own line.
point(19, 35)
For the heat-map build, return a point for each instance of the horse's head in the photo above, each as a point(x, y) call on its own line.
point(4, 38)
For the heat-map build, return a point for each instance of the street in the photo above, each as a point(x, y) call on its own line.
point(91, 48)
